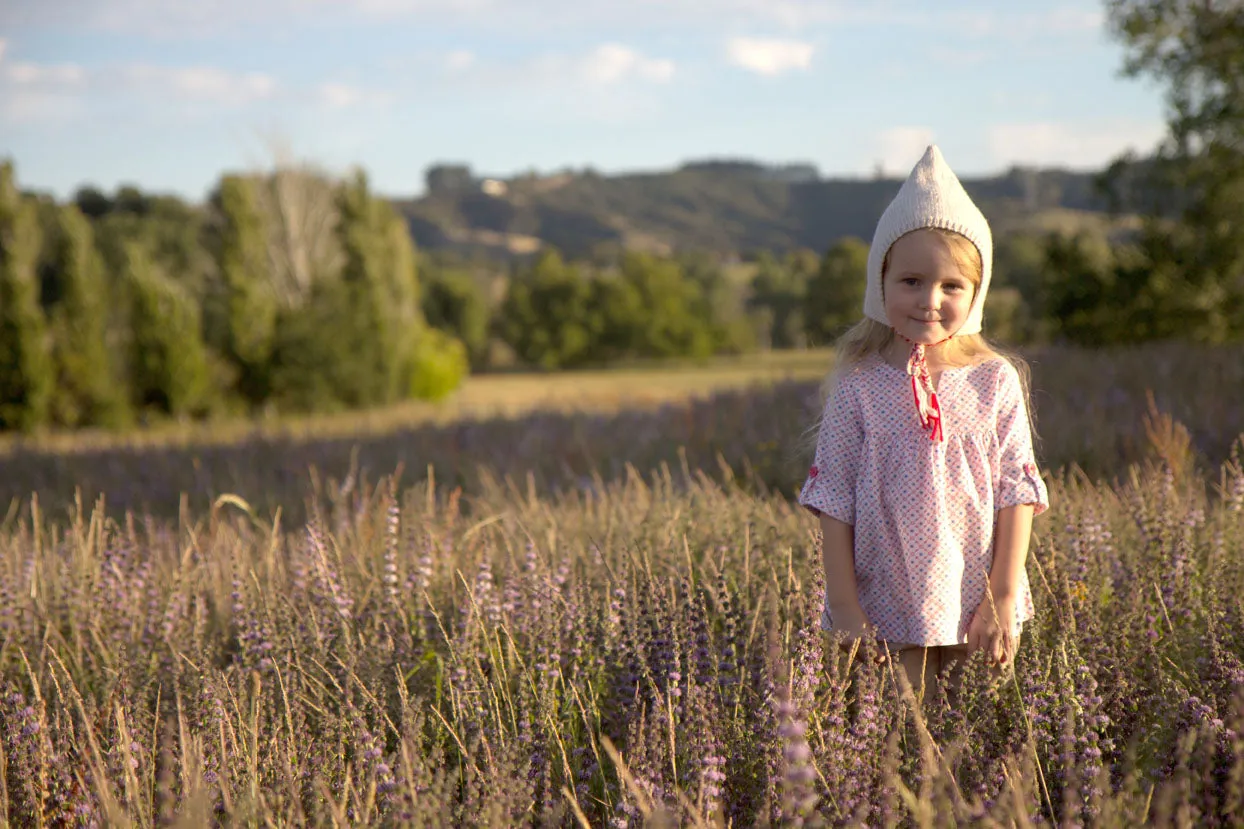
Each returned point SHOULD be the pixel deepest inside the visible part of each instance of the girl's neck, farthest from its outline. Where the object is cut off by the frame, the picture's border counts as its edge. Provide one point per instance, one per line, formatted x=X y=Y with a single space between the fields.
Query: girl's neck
x=898 y=351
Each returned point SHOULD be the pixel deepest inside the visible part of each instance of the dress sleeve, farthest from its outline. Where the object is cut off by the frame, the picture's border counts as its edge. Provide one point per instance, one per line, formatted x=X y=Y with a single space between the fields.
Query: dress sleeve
x=1017 y=480
x=830 y=486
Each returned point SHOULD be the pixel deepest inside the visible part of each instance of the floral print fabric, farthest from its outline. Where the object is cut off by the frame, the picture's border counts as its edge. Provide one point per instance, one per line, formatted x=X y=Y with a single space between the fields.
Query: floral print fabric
x=924 y=511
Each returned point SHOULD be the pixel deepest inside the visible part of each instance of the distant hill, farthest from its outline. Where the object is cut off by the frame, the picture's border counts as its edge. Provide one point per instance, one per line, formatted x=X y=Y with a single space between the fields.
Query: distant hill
x=725 y=207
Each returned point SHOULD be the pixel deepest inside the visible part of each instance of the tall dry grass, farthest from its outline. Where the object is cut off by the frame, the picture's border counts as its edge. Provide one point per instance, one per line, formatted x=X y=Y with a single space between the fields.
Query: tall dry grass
x=613 y=621
x=642 y=653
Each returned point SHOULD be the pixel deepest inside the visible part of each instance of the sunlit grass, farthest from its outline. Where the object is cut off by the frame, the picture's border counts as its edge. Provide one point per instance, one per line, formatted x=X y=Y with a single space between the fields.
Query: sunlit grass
x=643 y=652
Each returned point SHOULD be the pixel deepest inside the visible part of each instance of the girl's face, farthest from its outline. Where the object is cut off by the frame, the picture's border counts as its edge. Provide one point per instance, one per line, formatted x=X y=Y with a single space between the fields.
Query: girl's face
x=927 y=295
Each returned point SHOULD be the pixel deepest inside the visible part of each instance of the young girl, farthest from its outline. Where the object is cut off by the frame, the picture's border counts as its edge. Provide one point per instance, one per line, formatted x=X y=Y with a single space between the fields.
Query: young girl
x=924 y=478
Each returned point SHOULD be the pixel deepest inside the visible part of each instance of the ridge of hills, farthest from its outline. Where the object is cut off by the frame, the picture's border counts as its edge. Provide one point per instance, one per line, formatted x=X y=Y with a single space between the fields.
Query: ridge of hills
x=722 y=207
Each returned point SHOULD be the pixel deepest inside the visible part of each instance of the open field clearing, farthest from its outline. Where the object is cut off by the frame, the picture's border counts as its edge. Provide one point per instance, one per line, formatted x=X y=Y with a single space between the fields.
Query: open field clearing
x=569 y=430
x=481 y=396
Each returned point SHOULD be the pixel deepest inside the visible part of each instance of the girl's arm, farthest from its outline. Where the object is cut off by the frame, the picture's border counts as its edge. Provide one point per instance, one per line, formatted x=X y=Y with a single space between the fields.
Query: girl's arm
x=841 y=593
x=993 y=624
x=1010 y=551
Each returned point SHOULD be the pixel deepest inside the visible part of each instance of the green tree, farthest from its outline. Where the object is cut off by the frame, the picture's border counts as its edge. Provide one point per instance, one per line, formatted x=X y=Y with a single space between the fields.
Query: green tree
x=1005 y=315
x=1017 y=297
x=87 y=390
x=1091 y=294
x=379 y=271
x=802 y=263
x=92 y=202
x=168 y=361
x=359 y=337
x=439 y=363
x=26 y=375
x=454 y=302
x=246 y=299
x=546 y=314
x=170 y=230
x=418 y=352
x=722 y=304
x=364 y=314
x=320 y=351
x=673 y=324
x=1193 y=187
x=835 y=299
x=617 y=317
x=245 y=296
x=779 y=295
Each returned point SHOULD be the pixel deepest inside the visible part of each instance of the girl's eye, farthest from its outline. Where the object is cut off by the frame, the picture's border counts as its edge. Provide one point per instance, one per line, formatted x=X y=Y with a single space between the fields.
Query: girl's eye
x=911 y=280
x=954 y=286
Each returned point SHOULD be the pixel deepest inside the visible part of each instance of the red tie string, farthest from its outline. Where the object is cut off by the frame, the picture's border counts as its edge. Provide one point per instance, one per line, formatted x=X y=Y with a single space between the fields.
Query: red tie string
x=927 y=407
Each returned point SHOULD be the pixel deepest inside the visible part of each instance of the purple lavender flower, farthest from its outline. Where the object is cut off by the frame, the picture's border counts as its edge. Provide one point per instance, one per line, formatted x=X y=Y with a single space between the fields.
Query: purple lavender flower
x=799 y=797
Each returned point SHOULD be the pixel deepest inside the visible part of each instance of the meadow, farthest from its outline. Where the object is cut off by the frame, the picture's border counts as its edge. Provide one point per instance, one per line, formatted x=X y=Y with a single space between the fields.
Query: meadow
x=601 y=610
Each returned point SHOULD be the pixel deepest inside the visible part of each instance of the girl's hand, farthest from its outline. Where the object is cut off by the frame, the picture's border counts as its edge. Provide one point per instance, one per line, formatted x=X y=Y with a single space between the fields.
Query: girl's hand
x=992 y=629
x=854 y=625
x=853 y=622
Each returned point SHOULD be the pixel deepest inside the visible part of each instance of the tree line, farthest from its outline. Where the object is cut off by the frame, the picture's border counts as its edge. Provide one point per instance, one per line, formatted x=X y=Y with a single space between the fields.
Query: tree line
x=292 y=292
x=1088 y=286
x=287 y=291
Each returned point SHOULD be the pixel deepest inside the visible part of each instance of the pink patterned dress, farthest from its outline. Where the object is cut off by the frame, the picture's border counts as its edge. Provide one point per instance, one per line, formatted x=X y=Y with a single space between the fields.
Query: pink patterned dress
x=924 y=511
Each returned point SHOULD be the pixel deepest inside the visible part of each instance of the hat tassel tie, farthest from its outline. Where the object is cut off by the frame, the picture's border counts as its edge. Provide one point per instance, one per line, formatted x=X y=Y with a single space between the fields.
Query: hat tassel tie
x=927 y=407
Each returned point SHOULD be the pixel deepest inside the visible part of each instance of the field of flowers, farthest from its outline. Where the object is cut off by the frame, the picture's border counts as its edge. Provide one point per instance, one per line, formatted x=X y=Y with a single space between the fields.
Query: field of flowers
x=611 y=620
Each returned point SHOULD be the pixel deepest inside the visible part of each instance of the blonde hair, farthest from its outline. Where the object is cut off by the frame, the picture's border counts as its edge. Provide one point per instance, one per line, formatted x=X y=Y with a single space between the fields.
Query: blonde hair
x=868 y=337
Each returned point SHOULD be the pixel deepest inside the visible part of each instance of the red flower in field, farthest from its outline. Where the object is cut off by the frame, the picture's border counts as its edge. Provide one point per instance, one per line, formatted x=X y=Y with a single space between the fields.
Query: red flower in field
x=813 y=472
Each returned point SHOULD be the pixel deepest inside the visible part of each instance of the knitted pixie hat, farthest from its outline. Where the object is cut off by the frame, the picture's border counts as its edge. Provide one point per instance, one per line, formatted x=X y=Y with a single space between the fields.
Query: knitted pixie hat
x=931 y=197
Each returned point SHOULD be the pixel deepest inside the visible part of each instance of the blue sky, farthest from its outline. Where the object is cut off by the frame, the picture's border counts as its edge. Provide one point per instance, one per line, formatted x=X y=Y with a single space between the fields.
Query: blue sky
x=168 y=94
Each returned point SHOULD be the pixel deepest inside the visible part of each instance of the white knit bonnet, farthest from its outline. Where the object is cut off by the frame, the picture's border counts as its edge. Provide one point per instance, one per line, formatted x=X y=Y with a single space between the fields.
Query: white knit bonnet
x=931 y=197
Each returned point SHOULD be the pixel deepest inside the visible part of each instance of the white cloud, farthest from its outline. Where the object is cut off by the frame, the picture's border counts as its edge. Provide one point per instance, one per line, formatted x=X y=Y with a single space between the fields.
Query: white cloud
x=768 y=56
x=39 y=93
x=44 y=75
x=608 y=65
x=611 y=63
x=205 y=83
x=1072 y=145
x=193 y=82
x=460 y=60
x=960 y=58
x=607 y=83
x=977 y=24
x=899 y=148
x=32 y=106
x=43 y=92
x=186 y=85
x=1072 y=20
x=336 y=95
x=340 y=95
